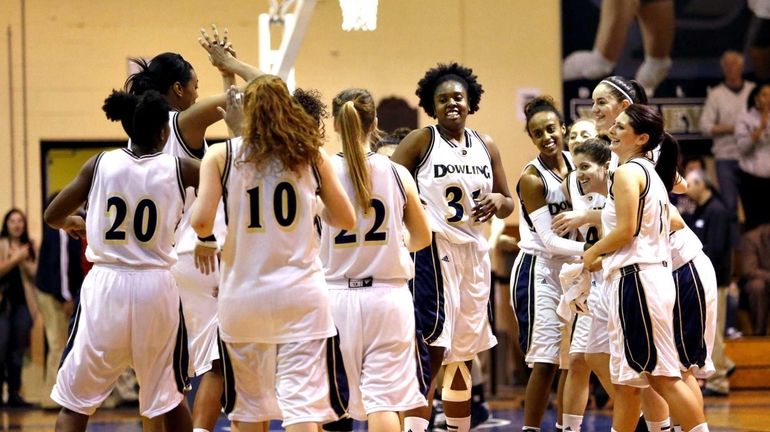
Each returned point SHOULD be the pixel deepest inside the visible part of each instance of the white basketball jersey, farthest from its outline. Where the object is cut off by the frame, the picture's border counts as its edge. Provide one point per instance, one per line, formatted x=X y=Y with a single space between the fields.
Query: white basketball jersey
x=134 y=205
x=449 y=178
x=585 y=201
x=556 y=201
x=376 y=248
x=175 y=146
x=650 y=242
x=685 y=246
x=272 y=288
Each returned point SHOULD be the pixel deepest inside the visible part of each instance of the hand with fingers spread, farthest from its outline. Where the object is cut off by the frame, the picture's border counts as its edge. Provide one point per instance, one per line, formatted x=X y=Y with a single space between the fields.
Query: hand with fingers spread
x=206 y=255
x=221 y=52
x=487 y=206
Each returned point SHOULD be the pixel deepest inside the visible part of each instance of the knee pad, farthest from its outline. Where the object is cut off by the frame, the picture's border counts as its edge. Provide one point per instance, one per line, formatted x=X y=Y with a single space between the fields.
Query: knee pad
x=450 y=370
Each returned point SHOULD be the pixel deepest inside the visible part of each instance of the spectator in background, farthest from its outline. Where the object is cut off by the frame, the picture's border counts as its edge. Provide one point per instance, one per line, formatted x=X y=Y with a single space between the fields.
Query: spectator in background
x=756 y=269
x=724 y=104
x=17 y=270
x=59 y=276
x=708 y=222
x=752 y=135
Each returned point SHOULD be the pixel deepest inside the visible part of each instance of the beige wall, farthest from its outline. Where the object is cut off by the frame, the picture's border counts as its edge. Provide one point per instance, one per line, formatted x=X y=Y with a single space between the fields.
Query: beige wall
x=77 y=50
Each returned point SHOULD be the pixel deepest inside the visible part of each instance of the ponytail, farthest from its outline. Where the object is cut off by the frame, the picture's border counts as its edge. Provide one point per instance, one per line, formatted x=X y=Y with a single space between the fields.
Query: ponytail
x=668 y=160
x=353 y=137
x=354 y=111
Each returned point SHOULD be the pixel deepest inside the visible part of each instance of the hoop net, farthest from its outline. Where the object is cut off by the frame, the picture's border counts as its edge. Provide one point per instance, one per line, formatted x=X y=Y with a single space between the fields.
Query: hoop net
x=359 y=15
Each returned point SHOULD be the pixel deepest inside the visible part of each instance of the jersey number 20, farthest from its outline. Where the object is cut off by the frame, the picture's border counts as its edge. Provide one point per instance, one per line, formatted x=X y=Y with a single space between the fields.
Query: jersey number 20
x=145 y=220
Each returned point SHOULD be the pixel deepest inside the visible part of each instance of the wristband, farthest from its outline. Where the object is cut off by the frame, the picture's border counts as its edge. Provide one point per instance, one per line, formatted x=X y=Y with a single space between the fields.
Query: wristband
x=207 y=242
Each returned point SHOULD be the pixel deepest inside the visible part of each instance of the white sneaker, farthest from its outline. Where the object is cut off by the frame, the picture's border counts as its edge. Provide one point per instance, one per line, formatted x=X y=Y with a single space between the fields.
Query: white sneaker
x=586 y=65
x=652 y=72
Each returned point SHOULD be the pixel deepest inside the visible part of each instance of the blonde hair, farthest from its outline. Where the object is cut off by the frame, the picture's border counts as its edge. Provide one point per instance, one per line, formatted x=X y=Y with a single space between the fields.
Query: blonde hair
x=355 y=113
x=276 y=126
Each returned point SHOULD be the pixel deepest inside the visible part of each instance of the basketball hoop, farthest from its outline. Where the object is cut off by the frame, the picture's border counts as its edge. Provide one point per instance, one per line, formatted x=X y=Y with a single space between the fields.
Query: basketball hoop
x=359 y=15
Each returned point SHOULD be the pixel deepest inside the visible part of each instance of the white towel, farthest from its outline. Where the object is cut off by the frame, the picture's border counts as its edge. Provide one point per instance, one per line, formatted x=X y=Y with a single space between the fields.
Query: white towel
x=576 y=284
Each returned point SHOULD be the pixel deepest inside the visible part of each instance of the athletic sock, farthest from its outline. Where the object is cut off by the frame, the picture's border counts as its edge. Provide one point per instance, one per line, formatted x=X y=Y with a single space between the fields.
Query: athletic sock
x=458 y=424
x=652 y=72
x=558 y=427
x=200 y=430
x=530 y=429
x=415 y=424
x=659 y=426
x=703 y=427
x=676 y=428
x=572 y=422
x=586 y=65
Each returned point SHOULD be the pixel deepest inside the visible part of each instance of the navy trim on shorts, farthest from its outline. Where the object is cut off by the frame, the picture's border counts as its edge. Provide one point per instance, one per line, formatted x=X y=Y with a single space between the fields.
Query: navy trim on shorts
x=229 y=394
x=339 y=393
x=523 y=281
x=422 y=357
x=74 y=324
x=181 y=355
x=428 y=291
x=690 y=317
x=638 y=337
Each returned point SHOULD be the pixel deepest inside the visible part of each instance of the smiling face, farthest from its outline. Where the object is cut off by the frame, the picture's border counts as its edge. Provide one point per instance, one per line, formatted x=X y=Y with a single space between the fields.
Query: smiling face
x=451 y=102
x=624 y=141
x=579 y=132
x=606 y=107
x=547 y=133
x=591 y=175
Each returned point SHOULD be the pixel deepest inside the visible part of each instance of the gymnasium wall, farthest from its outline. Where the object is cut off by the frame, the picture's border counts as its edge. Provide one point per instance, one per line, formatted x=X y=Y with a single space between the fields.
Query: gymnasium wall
x=76 y=52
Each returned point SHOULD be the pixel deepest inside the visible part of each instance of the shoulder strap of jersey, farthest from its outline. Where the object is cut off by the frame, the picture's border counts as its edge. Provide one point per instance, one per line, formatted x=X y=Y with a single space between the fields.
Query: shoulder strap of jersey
x=179 y=181
x=195 y=154
x=426 y=156
x=398 y=181
x=646 y=189
x=483 y=144
x=93 y=178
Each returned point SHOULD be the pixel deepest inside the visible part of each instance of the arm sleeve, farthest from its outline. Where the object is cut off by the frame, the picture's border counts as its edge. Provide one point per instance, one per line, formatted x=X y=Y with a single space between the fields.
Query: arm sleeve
x=541 y=219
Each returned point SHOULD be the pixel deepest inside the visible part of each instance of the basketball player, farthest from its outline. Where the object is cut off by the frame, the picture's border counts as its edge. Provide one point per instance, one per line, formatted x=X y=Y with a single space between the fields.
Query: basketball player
x=535 y=286
x=580 y=131
x=610 y=97
x=176 y=80
x=637 y=265
x=461 y=178
x=275 y=321
x=584 y=187
x=367 y=270
x=129 y=312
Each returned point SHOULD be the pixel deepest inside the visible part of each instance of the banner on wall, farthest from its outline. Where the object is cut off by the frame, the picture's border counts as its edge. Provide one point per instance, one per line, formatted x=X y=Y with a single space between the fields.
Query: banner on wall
x=702 y=31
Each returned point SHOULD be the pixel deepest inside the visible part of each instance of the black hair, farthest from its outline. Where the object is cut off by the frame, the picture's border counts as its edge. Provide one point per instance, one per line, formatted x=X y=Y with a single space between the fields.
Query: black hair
x=159 y=74
x=426 y=87
x=646 y=120
x=631 y=88
x=143 y=117
x=24 y=238
x=541 y=104
x=751 y=103
x=597 y=149
x=311 y=102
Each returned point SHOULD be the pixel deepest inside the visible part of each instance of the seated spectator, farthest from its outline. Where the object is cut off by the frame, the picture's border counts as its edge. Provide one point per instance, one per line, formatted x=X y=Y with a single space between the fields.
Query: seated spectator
x=756 y=269
x=17 y=269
